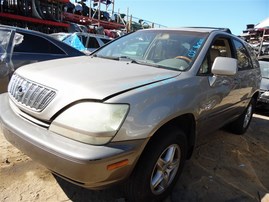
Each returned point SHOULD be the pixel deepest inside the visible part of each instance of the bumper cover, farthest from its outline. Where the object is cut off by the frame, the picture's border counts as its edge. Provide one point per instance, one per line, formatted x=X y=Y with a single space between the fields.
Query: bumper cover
x=264 y=97
x=82 y=164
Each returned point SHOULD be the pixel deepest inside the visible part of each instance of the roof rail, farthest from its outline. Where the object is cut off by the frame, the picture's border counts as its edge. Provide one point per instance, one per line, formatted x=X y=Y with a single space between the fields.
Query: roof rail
x=217 y=28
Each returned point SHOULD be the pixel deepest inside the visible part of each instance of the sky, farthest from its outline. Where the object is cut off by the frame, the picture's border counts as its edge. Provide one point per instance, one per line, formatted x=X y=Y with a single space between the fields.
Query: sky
x=233 y=14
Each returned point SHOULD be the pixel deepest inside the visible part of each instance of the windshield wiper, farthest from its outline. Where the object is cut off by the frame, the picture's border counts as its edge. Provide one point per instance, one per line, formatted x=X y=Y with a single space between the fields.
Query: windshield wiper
x=104 y=57
x=140 y=62
x=128 y=59
x=131 y=60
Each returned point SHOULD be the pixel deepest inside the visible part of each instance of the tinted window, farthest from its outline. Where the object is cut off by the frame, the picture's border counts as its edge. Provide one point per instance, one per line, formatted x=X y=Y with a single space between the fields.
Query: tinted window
x=83 y=39
x=255 y=62
x=35 y=44
x=244 y=61
x=93 y=43
x=105 y=40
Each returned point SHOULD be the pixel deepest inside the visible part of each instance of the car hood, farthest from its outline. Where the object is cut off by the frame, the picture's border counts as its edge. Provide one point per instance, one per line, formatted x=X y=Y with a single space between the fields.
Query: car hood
x=87 y=77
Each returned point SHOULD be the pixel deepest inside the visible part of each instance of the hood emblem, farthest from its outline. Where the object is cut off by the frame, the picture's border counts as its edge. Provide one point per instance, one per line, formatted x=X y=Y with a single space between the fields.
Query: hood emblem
x=20 y=90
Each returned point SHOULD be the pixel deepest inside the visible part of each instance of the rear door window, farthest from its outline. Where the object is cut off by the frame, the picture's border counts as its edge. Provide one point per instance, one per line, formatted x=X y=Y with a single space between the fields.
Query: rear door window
x=35 y=44
x=244 y=61
x=252 y=54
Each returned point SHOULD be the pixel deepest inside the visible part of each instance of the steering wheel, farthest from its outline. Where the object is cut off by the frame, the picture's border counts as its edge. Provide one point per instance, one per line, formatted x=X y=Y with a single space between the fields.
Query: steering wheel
x=184 y=58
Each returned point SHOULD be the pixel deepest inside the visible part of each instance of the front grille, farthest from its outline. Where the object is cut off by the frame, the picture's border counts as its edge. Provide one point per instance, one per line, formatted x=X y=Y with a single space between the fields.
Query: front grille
x=30 y=94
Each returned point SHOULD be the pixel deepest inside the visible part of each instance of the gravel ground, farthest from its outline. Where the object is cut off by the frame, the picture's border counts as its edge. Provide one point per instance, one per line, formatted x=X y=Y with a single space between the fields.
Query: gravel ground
x=224 y=167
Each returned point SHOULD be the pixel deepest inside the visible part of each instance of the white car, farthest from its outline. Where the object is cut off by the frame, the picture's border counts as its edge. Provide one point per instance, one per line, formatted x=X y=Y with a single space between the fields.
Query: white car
x=264 y=88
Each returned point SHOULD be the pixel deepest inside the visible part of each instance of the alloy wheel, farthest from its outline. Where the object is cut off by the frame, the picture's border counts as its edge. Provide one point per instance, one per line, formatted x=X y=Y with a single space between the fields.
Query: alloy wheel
x=248 y=116
x=165 y=169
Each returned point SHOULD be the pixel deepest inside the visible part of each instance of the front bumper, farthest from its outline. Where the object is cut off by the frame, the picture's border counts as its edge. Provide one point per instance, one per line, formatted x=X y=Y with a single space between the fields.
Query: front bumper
x=82 y=164
x=264 y=97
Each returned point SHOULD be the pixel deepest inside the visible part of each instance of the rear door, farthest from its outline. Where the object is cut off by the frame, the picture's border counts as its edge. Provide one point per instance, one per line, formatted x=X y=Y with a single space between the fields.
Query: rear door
x=247 y=71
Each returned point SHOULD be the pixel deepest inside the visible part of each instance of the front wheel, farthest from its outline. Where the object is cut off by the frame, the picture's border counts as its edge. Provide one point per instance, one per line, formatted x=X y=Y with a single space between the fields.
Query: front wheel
x=158 y=168
x=240 y=125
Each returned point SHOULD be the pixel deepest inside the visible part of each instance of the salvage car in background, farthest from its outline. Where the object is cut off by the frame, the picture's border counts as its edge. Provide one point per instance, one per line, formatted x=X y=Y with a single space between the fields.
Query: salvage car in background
x=264 y=88
x=82 y=41
x=32 y=46
x=261 y=49
x=133 y=109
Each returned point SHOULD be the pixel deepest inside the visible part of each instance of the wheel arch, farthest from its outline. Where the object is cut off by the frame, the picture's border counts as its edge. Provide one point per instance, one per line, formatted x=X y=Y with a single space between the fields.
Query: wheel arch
x=255 y=96
x=186 y=123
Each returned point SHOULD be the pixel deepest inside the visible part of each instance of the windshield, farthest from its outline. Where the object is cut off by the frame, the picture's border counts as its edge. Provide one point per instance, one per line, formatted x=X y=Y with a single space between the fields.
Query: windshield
x=264 y=69
x=171 y=49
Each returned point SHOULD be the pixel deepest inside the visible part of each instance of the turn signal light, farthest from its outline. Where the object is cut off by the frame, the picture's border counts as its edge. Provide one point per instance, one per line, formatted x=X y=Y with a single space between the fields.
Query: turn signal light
x=118 y=164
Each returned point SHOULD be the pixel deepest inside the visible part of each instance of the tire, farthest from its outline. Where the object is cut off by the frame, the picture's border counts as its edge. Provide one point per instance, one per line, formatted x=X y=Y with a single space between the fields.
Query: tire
x=240 y=125
x=158 y=168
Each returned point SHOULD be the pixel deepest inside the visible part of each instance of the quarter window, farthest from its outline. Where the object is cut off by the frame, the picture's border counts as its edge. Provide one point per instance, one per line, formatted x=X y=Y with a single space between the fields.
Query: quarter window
x=105 y=40
x=83 y=39
x=93 y=43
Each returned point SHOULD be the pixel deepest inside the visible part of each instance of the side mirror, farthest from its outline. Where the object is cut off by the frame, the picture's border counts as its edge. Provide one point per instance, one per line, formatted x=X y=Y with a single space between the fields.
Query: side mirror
x=224 y=66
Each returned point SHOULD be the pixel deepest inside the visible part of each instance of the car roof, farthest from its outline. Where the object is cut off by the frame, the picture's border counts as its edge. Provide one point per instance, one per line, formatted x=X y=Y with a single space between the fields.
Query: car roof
x=67 y=49
x=27 y=31
x=91 y=34
x=22 y=29
x=80 y=33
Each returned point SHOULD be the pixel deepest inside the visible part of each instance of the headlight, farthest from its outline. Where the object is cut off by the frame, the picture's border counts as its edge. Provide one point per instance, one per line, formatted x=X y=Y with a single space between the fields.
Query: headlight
x=92 y=123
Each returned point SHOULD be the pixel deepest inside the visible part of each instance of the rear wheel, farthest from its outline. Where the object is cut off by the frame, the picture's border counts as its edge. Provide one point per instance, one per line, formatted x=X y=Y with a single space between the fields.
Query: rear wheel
x=158 y=168
x=240 y=125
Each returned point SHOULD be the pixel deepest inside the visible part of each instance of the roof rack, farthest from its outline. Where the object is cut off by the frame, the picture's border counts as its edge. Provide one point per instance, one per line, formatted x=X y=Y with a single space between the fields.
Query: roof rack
x=216 y=28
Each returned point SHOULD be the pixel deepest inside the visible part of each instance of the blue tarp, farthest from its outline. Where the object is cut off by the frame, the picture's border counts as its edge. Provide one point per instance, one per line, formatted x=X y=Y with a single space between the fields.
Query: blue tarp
x=75 y=42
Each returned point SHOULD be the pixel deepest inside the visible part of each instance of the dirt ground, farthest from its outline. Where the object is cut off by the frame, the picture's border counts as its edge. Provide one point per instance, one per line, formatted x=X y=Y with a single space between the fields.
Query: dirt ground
x=224 y=167
x=3 y=84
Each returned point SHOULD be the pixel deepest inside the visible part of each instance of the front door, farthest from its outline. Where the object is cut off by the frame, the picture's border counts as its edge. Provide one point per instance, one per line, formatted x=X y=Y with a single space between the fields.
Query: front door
x=222 y=93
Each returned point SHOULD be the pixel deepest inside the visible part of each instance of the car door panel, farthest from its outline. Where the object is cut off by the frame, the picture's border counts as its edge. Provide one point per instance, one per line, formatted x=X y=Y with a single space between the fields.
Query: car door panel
x=219 y=105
